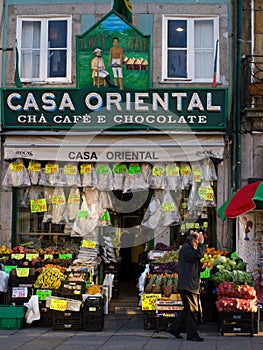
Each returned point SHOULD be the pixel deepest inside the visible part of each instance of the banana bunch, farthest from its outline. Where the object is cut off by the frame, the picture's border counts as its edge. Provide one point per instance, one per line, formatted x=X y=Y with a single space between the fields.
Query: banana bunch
x=50 y=278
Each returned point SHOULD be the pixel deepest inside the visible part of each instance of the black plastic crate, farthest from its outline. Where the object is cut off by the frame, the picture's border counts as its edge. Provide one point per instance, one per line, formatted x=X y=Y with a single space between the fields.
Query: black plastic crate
x=93 y=305
x=72 y=289
x=239 y=322
x=93 y=322
x=16 y=295
x=15 y=281
x=46 y=316
x=69 y=325
x=67 y=315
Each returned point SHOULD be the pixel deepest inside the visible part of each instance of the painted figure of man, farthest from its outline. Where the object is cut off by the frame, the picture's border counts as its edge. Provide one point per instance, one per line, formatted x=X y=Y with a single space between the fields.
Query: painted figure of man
x=116 y=60
x=98 y=67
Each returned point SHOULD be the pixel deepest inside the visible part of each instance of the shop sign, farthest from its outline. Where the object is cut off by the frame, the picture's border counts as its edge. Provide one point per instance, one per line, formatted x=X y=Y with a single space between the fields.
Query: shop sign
x=171 y=109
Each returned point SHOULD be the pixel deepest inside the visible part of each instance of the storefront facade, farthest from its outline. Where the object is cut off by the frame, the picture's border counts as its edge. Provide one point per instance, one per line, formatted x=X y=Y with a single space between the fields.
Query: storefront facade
x=159 y=135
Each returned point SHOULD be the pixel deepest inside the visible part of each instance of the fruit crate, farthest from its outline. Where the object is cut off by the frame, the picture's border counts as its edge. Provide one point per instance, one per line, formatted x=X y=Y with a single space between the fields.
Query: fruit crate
x=93 y=322
x=46 y=316
x=72 y=289
x=19 y=295
x=93 y=305
x=239 y=322
x=12 y=317
x=28 y=277
x=67 y=320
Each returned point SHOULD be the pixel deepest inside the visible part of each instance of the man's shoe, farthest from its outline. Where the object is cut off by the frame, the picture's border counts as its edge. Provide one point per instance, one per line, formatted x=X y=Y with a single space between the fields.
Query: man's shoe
x=195 y=338
x=176 y=335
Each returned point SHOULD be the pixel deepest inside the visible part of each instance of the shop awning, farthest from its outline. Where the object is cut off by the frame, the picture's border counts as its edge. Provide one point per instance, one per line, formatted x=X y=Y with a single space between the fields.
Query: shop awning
x=247 y=198
x=112 y=148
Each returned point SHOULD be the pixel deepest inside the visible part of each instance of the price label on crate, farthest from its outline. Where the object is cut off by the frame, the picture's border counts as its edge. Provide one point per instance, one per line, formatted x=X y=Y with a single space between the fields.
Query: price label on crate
x=149 y=301
x=48 y=257
x=8 y=268
x=58 y=304
x=43 y=293
x=22 y=271
x=17 y=256
x=19 y=292
x=30 y=257
x=65 y=256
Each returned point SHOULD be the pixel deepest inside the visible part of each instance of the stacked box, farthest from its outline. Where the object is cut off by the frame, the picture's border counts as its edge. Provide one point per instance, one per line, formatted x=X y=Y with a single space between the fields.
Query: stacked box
x=46 y=315
x=72 y=289
x=12 y=317
x=67 y=320
x=16 y=281
x=93 y=314
x=239 y=322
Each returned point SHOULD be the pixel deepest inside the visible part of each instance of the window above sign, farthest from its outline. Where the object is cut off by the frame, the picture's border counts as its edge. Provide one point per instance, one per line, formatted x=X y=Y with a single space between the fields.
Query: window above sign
x=188 y=48
x=44 y=46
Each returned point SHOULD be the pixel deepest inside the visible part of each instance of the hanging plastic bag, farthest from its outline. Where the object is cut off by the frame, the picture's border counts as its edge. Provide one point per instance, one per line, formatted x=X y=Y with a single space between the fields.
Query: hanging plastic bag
x=105 y=201
x=119 y=172
x=52 y=175
x=173 y=177
x=72 y=175
x=153 y=213
x=170 y=212
x=73 y=204
x=88 y=175
x=32 y=313
x=197 y=173
x=206 y=195
x=186 y=174
x=58 y=206
x=104 y=177
x=4 y=281
x=157 y=176
x=105 y=219
x=193 y=198
x=208 y=170
x=134 y=180
x=16 y=175
x=34 y=171
x=48 y=194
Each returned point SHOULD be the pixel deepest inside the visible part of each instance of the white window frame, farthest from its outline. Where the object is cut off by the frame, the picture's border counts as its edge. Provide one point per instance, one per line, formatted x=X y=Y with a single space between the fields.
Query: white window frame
x=190 y=48
x=43 y=73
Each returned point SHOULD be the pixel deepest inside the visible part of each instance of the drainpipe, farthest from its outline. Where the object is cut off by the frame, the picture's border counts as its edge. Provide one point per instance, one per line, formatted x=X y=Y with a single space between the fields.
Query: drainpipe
x=238 y=95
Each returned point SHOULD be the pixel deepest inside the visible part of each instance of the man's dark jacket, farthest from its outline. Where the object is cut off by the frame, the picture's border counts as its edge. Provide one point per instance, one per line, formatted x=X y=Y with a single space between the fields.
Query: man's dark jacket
x=189 y=267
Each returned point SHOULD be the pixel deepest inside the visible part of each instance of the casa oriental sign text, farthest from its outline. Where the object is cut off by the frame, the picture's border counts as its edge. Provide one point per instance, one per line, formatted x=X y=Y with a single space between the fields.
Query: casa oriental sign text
x=169 y=109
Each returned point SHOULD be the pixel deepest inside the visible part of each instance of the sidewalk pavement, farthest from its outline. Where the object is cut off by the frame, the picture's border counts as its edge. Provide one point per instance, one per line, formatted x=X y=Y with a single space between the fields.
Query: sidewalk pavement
x=124 y=332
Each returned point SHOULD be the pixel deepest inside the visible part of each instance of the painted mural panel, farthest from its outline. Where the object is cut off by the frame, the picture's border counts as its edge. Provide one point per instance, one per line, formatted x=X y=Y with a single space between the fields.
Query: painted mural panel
x=113 y=54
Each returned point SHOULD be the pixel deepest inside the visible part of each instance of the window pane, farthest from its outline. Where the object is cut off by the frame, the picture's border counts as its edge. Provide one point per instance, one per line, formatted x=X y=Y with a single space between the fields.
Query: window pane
x=177 y=34
x=204 y=49
x=177 y=64
x=204 y=34
x=57 y=34
x=30 y=49
x=57 y=60
x=204 y=64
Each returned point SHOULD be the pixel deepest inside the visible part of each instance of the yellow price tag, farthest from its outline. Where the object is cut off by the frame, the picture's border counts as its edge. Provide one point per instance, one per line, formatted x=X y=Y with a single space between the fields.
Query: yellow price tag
x=59 y=200
x=34 y=166
x=85 y=168
x=185 y=171
x=16 y=167
x=168 y=206
x=158 y=171
x=58 y=304
x=88 y=244
x=48 y=256
x=17 y=256
x=206 y=193
x=52 y=168
x=74 y=199
x=31 y=256
x=70 y=170
x=172 y=171
x=22 y=271
x=38 y=205
x=197 y=175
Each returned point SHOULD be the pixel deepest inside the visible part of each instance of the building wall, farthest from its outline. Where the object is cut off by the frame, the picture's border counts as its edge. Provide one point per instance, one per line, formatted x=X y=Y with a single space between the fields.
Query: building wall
x=85 y=13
